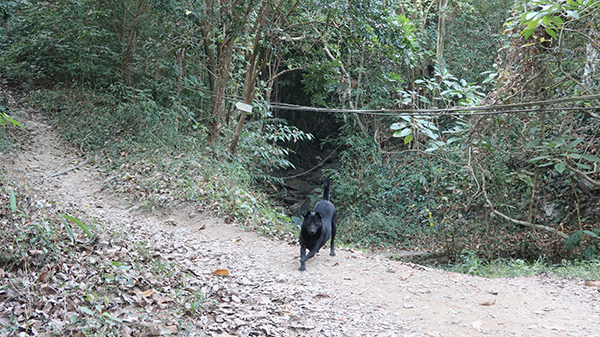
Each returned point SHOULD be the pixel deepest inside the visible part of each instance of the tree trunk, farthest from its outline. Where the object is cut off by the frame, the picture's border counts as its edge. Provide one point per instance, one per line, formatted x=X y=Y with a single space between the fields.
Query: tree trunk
x=223 y=67
x=441 y=30
x=250 y=80
x=592 y=58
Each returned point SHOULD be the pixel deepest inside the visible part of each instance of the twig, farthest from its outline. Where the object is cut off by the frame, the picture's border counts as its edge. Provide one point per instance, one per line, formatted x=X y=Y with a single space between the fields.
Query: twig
x=69 y=169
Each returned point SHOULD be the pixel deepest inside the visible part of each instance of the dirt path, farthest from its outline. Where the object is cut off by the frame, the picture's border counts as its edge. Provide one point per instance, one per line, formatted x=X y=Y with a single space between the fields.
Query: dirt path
x=351 y=294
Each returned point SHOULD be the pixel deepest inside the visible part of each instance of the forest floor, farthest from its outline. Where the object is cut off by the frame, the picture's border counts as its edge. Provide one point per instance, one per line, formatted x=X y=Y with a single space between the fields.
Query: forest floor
x=351 y=294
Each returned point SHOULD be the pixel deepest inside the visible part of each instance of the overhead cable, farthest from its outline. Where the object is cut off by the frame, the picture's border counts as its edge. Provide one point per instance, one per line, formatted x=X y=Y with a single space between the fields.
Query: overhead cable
x=453 y=111
x=494 y=109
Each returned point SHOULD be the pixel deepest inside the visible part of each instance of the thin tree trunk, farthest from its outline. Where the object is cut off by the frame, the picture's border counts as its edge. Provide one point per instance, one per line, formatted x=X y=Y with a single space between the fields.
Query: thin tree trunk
x=592 y=59
x=249 y=81
x=224 y=65
x=441 y=31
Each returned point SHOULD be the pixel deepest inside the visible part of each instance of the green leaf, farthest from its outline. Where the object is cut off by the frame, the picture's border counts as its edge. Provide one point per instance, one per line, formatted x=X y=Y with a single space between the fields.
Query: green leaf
x=69 y=230
x=592 y=234
x=408 y=139
x=398 y=126
x=547 y=20
x=403 y=133
x=430 y=134
x=8 y=118
x=452 y=140
x=81 y=225
x=557 y=20
x=13 y=201
x=576 y=142
x=551 y=32
x=107 y=315
x=87 y=310
x=573 y=14
x=533 y=160
x=546 y=164
x=590 y=157
x=528 y=16
x=560 y=167
x=583 y=166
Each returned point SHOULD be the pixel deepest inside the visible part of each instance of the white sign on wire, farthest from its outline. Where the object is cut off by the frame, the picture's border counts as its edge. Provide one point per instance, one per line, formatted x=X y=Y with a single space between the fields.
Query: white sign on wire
x=244 y=107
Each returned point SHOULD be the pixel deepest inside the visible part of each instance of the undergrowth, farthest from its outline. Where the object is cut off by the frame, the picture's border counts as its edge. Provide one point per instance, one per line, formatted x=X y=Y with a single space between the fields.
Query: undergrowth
x=470 y=263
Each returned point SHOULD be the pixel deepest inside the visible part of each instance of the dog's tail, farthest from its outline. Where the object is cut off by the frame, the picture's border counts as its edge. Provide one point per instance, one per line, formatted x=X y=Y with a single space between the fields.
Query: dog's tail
x=326 y=184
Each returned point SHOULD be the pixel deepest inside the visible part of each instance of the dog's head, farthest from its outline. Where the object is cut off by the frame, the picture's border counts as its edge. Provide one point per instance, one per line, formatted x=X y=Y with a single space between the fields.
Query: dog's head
x=313 y=221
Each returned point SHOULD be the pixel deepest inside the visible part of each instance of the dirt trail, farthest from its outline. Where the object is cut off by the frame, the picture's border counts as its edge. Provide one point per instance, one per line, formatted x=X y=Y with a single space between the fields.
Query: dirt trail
x=351 y=294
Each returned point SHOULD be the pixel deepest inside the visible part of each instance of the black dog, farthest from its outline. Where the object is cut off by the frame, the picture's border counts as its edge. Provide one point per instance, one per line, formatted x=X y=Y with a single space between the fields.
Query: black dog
x=317 y=227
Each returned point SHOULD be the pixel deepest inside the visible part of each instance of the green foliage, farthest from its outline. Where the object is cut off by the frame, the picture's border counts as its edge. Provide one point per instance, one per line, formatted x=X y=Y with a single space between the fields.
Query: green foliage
x=474 y=36
x=6 y=141
x=443 y=91
x=370 y=40
x=80 y=224
x=4 y=117
x=550 y=15
x=263 y=149
x=561 y=152
x=406 y=200
x=62 y=41
x=469 y=262
x=29 y=238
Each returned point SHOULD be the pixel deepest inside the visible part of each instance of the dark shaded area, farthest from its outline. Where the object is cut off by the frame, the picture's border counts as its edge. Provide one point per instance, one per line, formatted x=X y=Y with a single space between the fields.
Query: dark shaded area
x=308 y=157
x=323 y=126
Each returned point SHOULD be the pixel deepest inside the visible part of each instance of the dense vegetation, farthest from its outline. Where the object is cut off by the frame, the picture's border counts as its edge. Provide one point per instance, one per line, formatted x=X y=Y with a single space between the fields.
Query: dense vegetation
x=150 y=87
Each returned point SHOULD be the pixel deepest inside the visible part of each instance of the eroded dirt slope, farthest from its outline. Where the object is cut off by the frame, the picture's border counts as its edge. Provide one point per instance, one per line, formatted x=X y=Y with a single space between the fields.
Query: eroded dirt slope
x=351 y=294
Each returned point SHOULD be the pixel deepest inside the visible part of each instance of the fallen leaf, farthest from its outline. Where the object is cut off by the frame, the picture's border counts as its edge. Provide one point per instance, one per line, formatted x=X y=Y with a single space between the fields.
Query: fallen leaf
x=592 y=284
x=163 y=300
x=220 y=272
x=146 y=293
x=43 y=276
x=171 y=222
x=202 y=228
x=48 y=291
x=487 y=304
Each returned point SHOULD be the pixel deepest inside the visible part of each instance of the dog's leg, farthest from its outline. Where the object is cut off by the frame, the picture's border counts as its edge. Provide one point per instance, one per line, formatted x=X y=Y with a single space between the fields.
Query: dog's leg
x=302 y=259
x=333 y=230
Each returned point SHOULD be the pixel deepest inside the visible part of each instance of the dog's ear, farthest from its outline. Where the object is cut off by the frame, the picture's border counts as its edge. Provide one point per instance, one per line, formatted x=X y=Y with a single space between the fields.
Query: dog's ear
x=304 y=214
x=320 y=215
